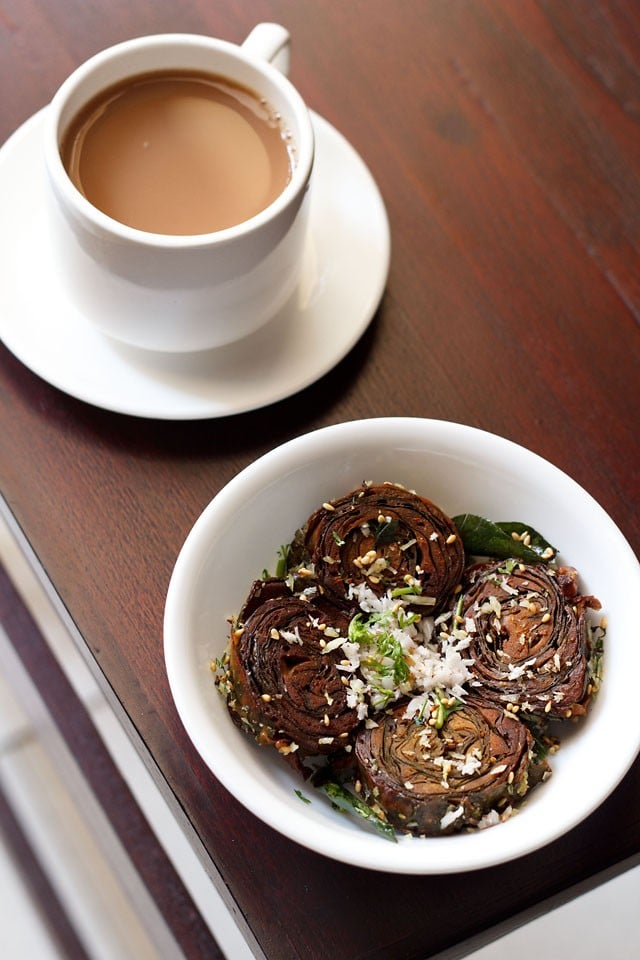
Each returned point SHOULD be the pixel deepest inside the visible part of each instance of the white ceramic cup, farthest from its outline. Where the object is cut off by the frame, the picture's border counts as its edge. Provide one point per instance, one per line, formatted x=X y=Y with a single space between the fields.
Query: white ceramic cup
x=181 y=293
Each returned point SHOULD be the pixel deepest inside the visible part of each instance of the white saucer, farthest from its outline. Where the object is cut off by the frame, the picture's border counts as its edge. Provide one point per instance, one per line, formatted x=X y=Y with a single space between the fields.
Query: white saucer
x=346 y=267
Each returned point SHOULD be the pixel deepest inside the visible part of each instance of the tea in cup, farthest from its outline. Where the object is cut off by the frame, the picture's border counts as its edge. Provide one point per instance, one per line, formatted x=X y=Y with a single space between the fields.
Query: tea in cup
x=180 y=169
x=178 y=152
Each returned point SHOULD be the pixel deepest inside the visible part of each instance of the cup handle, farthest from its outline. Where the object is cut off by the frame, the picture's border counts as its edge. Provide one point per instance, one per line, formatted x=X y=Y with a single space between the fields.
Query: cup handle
x=270 y=41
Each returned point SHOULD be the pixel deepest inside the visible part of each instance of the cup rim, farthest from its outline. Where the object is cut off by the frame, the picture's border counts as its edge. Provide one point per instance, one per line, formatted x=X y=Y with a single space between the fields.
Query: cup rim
x=101 y=221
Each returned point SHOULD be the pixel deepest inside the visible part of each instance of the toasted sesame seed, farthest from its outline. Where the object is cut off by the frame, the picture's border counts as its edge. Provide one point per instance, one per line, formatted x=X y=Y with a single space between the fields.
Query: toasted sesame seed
x=326 y=720
x=546 y=617
x=266 y=697
x=368 y=558
x=547 y=708
x=451 y=538
x=328 y=506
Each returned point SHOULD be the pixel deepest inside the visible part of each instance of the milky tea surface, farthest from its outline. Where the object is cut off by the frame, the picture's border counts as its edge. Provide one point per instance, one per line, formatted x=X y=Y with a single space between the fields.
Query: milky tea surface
x=178 y=153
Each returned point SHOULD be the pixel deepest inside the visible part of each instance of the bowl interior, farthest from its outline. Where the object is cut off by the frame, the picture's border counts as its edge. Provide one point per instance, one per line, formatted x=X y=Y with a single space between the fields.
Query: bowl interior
x=461 y=469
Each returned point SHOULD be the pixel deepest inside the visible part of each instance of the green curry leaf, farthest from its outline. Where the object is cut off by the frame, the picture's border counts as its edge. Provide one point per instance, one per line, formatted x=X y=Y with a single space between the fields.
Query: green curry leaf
x=506 y=539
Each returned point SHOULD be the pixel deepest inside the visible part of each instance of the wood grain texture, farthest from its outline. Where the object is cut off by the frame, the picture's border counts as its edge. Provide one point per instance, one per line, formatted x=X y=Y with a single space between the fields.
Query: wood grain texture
x=505 y=140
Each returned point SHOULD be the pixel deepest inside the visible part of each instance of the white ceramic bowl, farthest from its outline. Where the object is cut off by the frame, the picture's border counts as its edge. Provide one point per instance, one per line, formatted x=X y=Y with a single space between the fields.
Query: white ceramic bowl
x=461 y=469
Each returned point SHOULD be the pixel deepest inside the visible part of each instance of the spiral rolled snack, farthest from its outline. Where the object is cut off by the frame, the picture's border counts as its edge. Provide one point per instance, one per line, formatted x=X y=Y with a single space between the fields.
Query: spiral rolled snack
x=282 y=681
x=530 y=639
x=387 y=538
x=413 y=690
x=431 y=781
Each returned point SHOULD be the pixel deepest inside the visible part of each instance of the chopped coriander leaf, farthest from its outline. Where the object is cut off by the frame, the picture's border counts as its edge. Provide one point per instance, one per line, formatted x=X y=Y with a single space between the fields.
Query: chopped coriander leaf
x=346 y=801
x=301 y=796
x=445 y=709
x=542 y=743
x=415 y=590
x=390 y=646
x=283 y=555
x=598 y=634
x=386 y=532
x=384 y=655
x=407 y=619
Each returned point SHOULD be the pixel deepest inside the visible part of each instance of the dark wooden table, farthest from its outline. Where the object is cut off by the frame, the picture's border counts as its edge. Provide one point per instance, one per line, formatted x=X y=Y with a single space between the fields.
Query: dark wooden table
x=505 y=138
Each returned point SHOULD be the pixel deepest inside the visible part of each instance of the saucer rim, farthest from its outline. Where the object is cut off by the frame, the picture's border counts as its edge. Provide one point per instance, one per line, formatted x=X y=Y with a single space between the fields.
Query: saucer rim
x=191 y=403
